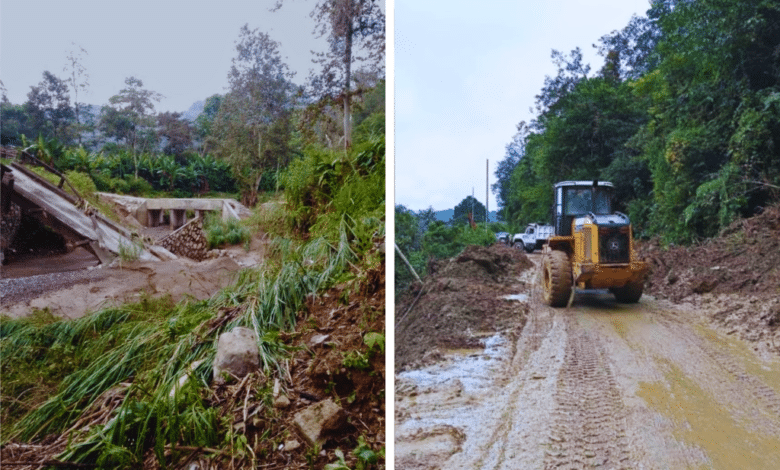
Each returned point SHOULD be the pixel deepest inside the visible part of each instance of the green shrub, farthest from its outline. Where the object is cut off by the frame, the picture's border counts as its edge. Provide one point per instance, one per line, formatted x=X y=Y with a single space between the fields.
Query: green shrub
x=138 y=186
x=108 y=184
x=326 y=188
x=82 y=183
x=220 y=233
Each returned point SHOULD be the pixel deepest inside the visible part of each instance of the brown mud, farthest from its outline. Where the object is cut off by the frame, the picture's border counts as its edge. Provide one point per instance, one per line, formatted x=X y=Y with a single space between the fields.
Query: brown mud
x=734 y=277
x=687 y=378
x=461 y=302
x=68 y=289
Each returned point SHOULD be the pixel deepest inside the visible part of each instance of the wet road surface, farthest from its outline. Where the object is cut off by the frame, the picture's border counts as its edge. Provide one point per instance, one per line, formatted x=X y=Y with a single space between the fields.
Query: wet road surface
x=598 y=385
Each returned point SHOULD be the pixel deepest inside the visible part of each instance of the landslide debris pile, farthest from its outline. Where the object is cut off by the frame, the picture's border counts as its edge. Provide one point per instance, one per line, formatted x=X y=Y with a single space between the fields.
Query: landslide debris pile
x=745 y=258
x=460 y=297
x=740 y=269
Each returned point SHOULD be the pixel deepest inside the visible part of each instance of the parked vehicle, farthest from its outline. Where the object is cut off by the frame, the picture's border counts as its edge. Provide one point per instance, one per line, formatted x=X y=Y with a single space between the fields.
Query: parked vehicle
x=534 y=237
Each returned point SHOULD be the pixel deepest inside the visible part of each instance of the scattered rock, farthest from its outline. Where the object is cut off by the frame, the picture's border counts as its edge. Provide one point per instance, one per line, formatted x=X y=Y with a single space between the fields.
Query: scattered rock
x=705 y=285
x=316 y=340
x=237 y=353
x=291 y=445
x=281 y=402
x=316 y=420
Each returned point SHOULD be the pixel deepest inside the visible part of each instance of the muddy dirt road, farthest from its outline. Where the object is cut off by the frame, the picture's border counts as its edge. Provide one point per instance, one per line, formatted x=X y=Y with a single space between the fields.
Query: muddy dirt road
x=600 y=384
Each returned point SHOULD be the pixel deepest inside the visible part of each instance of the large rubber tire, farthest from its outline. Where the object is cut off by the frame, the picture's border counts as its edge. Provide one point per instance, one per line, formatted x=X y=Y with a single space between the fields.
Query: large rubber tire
x=556 y=278
x=519 y=245
x=529 y=249
x=630 y=293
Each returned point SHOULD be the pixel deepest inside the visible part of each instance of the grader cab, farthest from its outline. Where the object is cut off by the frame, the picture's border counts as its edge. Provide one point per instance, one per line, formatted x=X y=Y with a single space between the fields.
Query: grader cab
x=592 y=247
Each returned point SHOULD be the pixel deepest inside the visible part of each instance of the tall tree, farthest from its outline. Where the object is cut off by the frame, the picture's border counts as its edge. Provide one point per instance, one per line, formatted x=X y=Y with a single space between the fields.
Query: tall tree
x=514 y=152
x=176 y=132
x=355 y=30
x=253 y=126
x=78 y=80
x=48 y=106
x=633 y=47
x=129 y=116
x=204 y=123
x=469 y=204
x=13 y=120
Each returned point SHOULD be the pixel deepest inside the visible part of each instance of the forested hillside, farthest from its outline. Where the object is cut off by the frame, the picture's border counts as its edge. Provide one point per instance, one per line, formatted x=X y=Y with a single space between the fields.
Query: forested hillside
x=683 y=117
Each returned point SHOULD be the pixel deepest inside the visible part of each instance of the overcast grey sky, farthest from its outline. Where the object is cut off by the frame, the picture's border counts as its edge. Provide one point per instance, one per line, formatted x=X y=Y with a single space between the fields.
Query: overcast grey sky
x=179 y=48
x=467 y=72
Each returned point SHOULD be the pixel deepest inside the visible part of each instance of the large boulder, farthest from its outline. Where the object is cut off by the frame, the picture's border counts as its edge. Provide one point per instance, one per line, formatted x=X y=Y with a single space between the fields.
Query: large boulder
x=237 y=353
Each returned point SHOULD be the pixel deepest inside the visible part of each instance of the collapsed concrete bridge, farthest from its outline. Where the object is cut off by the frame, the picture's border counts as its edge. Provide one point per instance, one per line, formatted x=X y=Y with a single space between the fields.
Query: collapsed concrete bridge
x=152 y=212
x=80 y=225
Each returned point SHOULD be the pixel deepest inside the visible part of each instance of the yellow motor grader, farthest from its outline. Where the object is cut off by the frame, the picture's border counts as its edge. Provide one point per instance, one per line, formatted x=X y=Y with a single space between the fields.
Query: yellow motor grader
x=592 y=246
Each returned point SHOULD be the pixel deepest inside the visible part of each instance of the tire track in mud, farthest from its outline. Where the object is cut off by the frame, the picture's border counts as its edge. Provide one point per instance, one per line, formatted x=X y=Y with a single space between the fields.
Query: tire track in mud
x=512 y=439
x=589 y=427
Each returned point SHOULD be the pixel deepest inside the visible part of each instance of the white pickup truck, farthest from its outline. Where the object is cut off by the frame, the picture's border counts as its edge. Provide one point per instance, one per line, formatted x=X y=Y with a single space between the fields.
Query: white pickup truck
x=534 y=237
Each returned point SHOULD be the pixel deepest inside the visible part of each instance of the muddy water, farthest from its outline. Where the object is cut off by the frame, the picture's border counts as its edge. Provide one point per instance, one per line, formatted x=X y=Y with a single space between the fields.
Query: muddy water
x=598 y=385
x=35 y=265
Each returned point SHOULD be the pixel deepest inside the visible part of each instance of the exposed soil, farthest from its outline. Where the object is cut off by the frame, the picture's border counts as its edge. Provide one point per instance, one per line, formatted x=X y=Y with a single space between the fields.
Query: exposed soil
x=460 y=303
x=601 y=384
x=735 y=277
x=72 y=285
x=331 y=329
x=687 y=378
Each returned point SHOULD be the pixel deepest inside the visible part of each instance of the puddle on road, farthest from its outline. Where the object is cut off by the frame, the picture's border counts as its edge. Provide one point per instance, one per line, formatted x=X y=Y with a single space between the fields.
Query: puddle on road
x=45 y=264
x=766 y=369
x=474 y=368
x=520 y=297
x=698 y=420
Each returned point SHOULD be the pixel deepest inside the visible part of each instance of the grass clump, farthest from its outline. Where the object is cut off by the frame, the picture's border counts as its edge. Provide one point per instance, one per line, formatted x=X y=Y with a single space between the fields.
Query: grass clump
x=225 y=232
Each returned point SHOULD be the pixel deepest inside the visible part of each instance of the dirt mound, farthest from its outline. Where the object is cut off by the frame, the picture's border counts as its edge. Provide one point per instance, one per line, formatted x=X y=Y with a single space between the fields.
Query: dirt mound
x=745 y=258
x=461 y=298
x=736 y=276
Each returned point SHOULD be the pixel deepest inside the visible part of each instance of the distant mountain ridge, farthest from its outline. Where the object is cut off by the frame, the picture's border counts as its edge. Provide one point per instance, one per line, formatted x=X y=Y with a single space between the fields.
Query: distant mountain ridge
x=190 y=114
x=446 y=215
x=194 y=111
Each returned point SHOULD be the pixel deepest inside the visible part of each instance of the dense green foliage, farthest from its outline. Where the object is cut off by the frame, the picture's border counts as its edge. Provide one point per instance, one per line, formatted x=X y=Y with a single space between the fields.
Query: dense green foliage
x=684 y=118
x=225 y=232
x=322 y=187
x=116 y=171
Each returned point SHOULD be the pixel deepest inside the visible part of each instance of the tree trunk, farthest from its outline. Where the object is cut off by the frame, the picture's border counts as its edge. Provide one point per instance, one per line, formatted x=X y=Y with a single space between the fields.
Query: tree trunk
x=348 y=77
